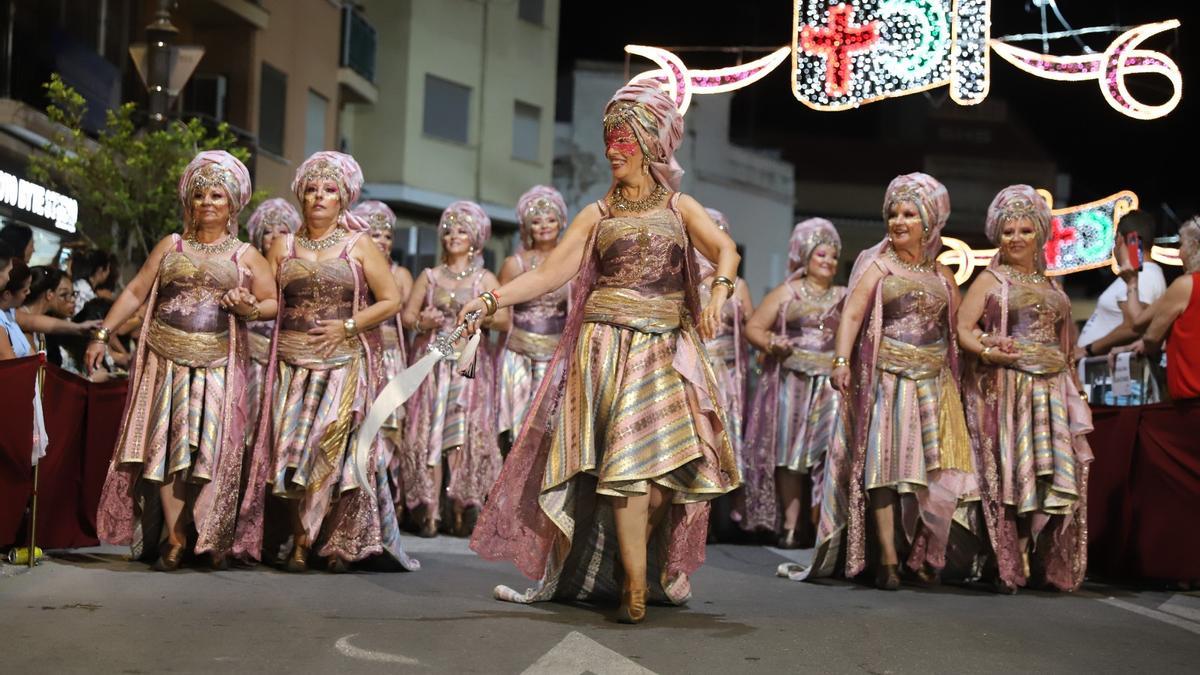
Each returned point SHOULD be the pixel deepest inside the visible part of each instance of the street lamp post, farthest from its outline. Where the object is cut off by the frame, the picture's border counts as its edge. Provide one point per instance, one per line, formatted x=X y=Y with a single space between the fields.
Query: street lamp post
x=160 y=38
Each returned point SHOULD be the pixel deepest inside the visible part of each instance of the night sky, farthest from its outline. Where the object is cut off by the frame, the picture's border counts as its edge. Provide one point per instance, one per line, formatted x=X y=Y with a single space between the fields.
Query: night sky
x=1103 y=150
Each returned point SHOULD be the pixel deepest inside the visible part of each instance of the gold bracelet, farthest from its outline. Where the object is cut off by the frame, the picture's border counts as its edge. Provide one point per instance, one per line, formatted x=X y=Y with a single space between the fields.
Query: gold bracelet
x=350 y=327
x=101 y=335
x=983 y=355
x=489 y=301
x=723 y=281
x=253 y=315
x=839 y=361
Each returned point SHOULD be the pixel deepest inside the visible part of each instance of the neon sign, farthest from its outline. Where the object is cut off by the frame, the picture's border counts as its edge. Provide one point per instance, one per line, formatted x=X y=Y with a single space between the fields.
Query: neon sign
x=845 y=54
x=39 y=201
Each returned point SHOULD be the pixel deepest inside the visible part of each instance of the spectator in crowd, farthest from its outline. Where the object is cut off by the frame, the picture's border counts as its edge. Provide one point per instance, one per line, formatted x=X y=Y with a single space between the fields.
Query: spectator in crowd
x=1111 y=323
x=13 y=344
x=19 y=238
x=6 y=256
x=107 y=289
x=116 y=363
x=89 y=268
x=47 y=309
x=1176 y=315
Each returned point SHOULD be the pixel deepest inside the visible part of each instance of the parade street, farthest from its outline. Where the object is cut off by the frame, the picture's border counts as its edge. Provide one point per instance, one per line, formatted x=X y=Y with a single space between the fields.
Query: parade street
x=92 y=611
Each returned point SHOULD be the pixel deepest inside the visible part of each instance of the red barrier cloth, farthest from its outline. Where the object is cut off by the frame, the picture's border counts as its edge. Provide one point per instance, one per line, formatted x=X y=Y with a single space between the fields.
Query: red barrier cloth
x=106 y=410
x=61 y=523
x=1144 y=497
x=17 y=378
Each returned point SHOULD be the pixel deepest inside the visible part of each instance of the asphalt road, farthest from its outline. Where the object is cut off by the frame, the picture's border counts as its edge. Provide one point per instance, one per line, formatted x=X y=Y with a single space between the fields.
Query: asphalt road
x=92 y=611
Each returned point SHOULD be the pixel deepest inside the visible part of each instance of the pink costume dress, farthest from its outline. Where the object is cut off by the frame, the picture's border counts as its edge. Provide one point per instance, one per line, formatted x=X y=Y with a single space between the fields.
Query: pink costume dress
x=186 y=411
x=395 y=359
x=728 y=354
x=259 y=339
x=537 y=326
x=1029 y=426
x=450 y=415
x=628 y=399
x=306 y=440
x=904 y=420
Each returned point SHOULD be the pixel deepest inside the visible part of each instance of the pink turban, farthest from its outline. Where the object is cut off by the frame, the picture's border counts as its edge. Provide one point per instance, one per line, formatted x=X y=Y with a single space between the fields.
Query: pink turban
x=270 y=214
x=343 y=170
x=379 y=216
x=933 y=203
x=704 y=266
x=538 y=200
x=806 y=237
x=1013 y=203
x=216 y=167
x=657 y=124
x=474 y=218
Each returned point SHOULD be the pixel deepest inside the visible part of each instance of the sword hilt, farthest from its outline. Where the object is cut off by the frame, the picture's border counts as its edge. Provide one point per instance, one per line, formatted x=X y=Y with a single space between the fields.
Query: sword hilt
x=445 y=344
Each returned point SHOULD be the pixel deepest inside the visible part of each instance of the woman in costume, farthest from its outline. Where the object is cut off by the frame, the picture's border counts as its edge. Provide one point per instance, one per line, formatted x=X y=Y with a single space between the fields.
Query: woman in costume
x=182 y=442
x=273 y=219
x=326 y=367
x=796 y=410
x=1027 y=419
x=381 y=223
x=625 y=442
x=452 y=417
x=729 y=357
x=537 y=324
x=896 y=366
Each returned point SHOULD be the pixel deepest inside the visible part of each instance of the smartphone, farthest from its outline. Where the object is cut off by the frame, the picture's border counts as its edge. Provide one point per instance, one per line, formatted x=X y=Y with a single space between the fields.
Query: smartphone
x=1133 y=248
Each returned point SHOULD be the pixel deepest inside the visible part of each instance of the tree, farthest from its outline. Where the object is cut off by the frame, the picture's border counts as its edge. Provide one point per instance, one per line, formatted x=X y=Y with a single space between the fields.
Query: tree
x=126 y=178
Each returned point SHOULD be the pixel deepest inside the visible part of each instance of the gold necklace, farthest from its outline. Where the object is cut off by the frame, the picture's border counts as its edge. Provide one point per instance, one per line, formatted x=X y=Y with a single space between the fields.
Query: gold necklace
x=322 y=243
x=804 y=288
x=1033 y=278
x=459 y=276
x=923 y=267
x=223 y=246
x=618 y=202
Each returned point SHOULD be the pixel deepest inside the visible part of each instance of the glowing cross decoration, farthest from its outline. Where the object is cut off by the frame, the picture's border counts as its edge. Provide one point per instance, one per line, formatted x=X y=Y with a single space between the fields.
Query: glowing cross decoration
x=836 y=44
x=848 y=53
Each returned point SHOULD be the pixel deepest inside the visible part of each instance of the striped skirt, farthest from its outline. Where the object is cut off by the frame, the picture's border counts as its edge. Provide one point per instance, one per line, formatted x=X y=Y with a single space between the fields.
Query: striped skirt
x=1036 y=452
x=903 y=439
x=627 y=419
x=520 y=377
x=185 y=421
x=808 y=415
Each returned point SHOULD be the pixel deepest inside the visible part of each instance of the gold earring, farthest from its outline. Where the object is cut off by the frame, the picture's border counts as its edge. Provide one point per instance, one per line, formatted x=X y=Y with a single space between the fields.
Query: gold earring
x=645 y=169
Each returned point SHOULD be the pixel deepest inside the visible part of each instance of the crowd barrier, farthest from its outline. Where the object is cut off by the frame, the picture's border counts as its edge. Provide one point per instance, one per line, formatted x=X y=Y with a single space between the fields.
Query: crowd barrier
x=82 y=420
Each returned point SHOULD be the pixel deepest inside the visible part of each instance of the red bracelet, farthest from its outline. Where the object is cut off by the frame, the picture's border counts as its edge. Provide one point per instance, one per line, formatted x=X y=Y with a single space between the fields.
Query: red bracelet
x=495 y=294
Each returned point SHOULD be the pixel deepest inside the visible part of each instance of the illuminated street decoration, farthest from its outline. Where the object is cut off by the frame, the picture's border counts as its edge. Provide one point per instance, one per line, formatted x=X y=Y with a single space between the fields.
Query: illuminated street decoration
x=1081 y=238
x=848 y=53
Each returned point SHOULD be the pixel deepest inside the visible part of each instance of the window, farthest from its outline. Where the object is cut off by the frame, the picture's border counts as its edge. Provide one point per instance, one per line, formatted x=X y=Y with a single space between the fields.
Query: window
x=447 y=109
x=314 y=123
x=532 y=11
x=272 y=104
x=527 y=123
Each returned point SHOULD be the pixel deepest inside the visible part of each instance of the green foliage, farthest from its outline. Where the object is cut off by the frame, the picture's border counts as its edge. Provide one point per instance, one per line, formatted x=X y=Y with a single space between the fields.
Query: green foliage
x=126 y=178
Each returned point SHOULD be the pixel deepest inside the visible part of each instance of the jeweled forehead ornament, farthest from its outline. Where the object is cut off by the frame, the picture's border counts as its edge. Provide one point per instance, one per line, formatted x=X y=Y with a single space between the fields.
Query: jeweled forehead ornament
x=1017 y=209
x=913 y=195
x=379 y=221
x=323 y=170
x=213 y=175
x=453 y=218
x=542 y=207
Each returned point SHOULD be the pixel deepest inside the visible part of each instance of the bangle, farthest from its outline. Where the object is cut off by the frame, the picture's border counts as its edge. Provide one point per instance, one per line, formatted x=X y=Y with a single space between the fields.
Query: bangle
x=253 y=315
x=495 y=294
x=489 y=302
x=350 y=327
x=839 y=361
x=983 y=336
x=983 y=355
x=101 y=334
x=722 y=281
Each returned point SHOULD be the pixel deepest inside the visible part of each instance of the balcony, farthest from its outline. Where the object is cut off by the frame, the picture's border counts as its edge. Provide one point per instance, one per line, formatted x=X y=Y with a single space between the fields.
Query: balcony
x=356 y=64
x=226 y=12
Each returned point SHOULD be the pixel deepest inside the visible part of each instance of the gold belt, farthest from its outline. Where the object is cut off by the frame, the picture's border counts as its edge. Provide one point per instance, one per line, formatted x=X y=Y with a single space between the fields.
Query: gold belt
x=193 y=349
x=628 y=308
x=260 y=347
x=915 y=363
x=534 y=345
x=809 y=362
x=296 y=348
x=1040 y=359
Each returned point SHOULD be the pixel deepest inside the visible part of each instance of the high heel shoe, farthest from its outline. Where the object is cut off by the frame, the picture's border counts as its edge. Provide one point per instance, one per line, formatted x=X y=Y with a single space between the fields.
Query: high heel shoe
x=633 y=606
x=887 y=577
x=787 y=540
x=1025 y=569
x=429 y=530
x=337 y=566
x=298 y=560
x=219 y=562
x=170 y=561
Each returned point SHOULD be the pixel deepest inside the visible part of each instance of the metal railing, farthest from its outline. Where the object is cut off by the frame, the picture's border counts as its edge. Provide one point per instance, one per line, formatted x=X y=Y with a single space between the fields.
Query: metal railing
x=1098 y=381
x=358 y=43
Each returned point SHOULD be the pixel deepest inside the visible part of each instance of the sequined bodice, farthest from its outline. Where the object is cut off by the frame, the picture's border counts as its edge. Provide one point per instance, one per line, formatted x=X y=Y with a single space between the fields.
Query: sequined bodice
x=641 y=253
x=914 y=308
x=316 y=291
x=811 y=322
x=545 y=315
x=449 y=300
x=190 y=290
x=1035 y=313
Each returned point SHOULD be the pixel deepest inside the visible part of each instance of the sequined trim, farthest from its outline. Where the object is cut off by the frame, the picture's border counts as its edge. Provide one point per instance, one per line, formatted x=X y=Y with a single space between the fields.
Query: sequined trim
x=295 y=348
x=533 y=345
x=195 y=349
x=628 y=308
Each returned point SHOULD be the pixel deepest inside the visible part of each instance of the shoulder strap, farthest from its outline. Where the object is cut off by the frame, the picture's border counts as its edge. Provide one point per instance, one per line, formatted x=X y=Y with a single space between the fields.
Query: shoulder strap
x=178 y=243
x=291 y=245
x=349 y=245
x=239 y=252
x=603 y=206
x=673 y=203
x=521 y=262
